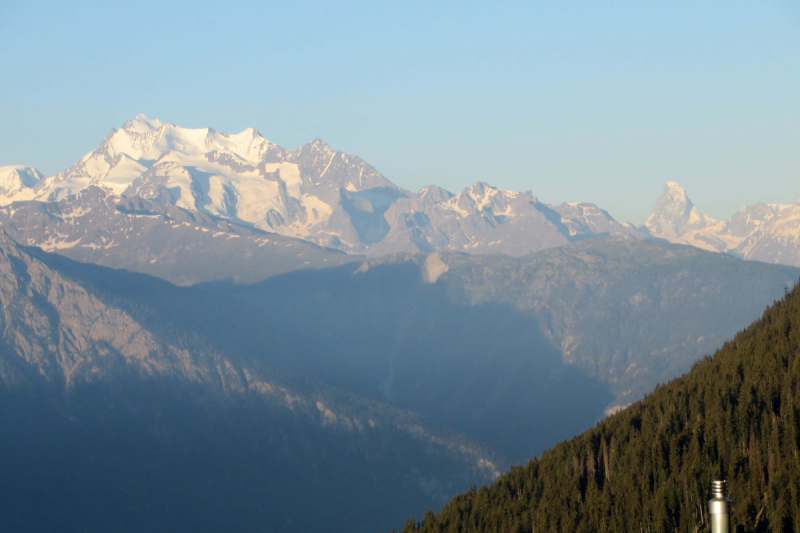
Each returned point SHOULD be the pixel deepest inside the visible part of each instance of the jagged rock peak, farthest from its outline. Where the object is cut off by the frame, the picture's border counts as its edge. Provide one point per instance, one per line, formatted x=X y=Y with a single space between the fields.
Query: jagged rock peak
x=319 y=144
x=674 y=197
x=434 y=194
x=482 y=194
x=480 y=189
x=314 y=149
x=675 y=214
x=675 y=192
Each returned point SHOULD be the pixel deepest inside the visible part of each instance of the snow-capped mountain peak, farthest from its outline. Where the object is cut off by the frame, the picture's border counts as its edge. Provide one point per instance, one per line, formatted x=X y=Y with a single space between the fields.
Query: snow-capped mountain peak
x=141 y=124
x=315 y=193
x=150 y=139
x=675 y=192
x=482 y=195
x=18 y=181
x=675 y=213
x=241 y=176
x=764 y=232
x=335 y=199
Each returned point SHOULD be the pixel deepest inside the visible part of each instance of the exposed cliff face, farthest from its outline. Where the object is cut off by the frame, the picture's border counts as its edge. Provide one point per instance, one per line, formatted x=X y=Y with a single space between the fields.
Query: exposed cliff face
x=63 y=333
x=56 y=329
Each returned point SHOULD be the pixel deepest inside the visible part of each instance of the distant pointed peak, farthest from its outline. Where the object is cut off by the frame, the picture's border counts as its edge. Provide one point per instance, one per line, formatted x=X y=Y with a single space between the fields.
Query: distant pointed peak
x=19 y=176
x=675 y=192
x=480 y=189
x=315 y=147
x=142 y=124
x=675 y=214
x=481 y=185
x=434 y=193
x=320 y=145
x=254 y=133
x=433 y=188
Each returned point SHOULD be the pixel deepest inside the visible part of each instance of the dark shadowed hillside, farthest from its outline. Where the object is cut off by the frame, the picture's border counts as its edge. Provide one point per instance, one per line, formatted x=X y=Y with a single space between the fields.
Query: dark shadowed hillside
x=111 y=425
x=519 y=352
x=735 y=415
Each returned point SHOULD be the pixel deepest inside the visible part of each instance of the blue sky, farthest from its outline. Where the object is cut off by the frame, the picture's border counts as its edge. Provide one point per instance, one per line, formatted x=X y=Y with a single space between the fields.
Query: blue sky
x=576 y=101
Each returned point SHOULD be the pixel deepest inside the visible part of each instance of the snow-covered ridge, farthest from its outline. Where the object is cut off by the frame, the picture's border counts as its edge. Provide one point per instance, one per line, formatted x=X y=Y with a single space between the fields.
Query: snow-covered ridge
x=314 y=193
x=487 y=219
x=335 y=199
x=242 y=177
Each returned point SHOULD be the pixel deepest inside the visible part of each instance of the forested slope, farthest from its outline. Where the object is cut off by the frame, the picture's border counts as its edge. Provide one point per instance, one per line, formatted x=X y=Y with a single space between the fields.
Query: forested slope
x=735 y=415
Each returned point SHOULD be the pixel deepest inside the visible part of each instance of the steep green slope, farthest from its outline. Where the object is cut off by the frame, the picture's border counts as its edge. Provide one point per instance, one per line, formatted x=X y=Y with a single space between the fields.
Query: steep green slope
x=735 y=415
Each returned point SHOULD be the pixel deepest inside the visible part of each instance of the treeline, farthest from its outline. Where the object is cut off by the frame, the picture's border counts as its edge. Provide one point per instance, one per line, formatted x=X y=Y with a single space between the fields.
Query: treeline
x=649 y=468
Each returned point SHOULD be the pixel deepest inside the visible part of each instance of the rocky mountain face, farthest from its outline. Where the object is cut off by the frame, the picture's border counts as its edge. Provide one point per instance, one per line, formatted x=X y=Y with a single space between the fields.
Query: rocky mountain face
x=759 y=232
x=113 y=420
x=314 y=194
x=484 y=219
x=518 y=352
x=180 y=245
x=675 y=214
x=631 y=313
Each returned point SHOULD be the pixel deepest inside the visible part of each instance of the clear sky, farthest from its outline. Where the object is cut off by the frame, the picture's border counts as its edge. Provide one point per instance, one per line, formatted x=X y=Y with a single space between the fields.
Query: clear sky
x=577 y=101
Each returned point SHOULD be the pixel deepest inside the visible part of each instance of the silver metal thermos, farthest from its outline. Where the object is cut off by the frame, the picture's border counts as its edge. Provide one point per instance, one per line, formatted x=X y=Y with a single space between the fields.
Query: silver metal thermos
x=719 y=508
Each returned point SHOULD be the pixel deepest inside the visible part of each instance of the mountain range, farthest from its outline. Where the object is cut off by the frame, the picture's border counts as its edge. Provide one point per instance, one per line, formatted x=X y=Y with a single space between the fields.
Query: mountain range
x=329 y=329
x=336 y=201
